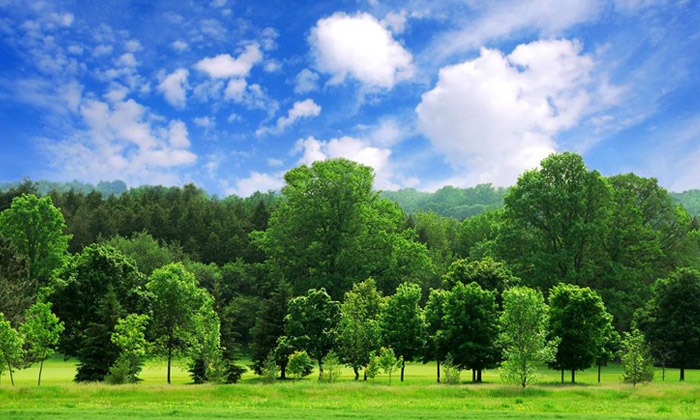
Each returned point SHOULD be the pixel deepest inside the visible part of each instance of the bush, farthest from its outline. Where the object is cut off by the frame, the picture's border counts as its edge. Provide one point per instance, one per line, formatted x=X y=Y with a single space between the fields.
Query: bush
x=269 y=369
x=299 y=364
x=451 y=371
x=120 y=372
x=331 y=368
x=372 y=368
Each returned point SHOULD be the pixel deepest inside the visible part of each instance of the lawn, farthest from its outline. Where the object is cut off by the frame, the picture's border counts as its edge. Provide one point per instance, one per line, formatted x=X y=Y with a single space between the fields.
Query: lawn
x=418 y=397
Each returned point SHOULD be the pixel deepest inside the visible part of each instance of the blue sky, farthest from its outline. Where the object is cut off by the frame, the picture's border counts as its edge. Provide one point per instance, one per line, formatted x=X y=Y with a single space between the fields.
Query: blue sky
x=231 y=94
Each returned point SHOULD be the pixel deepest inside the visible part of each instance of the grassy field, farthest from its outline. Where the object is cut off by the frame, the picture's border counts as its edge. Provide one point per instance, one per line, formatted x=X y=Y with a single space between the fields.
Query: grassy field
x=417 y=398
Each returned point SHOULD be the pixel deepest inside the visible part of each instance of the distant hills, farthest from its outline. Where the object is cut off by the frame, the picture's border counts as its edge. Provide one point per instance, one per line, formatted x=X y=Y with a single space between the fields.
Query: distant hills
x=448 y=201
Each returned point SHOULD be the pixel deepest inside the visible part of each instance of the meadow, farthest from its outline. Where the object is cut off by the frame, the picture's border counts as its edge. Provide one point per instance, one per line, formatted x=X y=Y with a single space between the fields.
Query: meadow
x=418 y=397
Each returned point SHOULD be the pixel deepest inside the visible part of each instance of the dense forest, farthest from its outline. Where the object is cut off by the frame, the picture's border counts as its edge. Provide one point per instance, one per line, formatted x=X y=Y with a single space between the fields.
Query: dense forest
x=332 y=271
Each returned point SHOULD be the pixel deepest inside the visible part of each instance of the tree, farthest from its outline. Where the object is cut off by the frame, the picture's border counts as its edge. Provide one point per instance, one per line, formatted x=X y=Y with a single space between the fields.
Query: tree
x=578 y=317
x=470 y=327
x=311 y=324
x=10 y=347
x=146 y=251
x=17 y=289
x=403 y=325
x=608 y=349
x=269 y=325
x=97 y=288
x=41 y=330
x=555 y=221
x=434 y=314
x=524 y=326
x=672 y=318
x=388 y=361
x=129 y=336
x=299 y=364
x=331 y=230
x=487 y=273
x=36 y=229
x=177 y=301
x=359 y=333
x=636 y=358
x=332 y=368
x=205 y=353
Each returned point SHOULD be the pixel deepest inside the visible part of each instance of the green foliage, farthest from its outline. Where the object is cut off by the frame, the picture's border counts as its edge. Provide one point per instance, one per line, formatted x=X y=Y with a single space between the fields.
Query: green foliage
x=388 y=362
x=331 y=368
x=11 y=352
x=671 y=319
x=439 y=234
x=129 y=337
x=121 y=372
x=41 y=330
x=487 y=273
x=402 y=323
x=434 y=313
x=35 y=227
x=311 y=324
x=452 y=371
x=145 y=251
x=206 y=363
x=299 y=364
x=457 y=203
x=578 y=318
x=17 y=289
x=477 y=235
x=269 y=369
x=372 y=369
x=177 y=310
x=359 y=333
x=269 y=325
x=524 y=326
x=470 y=327
x=636 y=358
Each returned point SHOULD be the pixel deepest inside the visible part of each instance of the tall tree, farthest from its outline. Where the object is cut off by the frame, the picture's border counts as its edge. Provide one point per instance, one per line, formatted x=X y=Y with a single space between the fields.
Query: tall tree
x=312 y=324
x=579 y=319
x=269 y=325
x=10 y=347
x=177 y=301
x=130 y=337
x=359 y=333
x=470 y=327
x=524 y=327
x=672 y=317
x=17 y=289
x=35 y=227
x=434 y=313
x=487 y=273
x=41 y=330
x=403 y=324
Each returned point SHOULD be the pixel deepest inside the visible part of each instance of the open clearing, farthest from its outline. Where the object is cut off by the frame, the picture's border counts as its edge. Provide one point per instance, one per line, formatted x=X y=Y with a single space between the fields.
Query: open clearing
x=418 y=397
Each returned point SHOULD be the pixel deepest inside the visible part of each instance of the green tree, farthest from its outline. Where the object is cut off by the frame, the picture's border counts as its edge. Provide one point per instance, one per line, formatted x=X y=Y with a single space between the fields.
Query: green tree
x=98 y=287
x=145 y=251
x=205 y=352
x=434 y=314
x=41 y=330
x=487 y=273
x=269 y=325
x=359 y=333
x=17 y=289
x=610 y=346
x=388 y=361
x=11 y=353
x=470 y=327
x=672 y=318
x=177 y=301
x=129 y=336
x=578 y=317
x=36 y=229
x=636 y=358
x=332 y=368
x=403 y=324
x=311 y=324
x=524 y=327
x=299 y=364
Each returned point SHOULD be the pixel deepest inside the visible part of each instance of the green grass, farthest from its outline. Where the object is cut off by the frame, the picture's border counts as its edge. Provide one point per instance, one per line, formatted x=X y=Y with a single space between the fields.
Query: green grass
x=418 y=397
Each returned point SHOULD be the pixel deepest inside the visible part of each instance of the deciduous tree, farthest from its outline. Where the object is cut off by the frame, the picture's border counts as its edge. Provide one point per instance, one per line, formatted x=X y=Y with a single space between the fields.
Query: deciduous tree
x=41 y=330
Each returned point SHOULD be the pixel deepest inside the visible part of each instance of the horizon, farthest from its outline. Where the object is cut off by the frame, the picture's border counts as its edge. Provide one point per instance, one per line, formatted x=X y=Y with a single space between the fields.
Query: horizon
x=230 y=95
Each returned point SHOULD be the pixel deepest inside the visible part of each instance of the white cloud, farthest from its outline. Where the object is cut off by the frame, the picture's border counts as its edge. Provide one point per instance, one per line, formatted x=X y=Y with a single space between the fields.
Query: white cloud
x=257 y=182
x=132 y=45
x=387 y=133
x=355 y=149
x=301 y=109
x=122 y=140
x=395 y=21
x=102 y=50
x=306 y=81
x=275 y=162
x=235 y=89
x=174 y=88
x=359 y=46
x=180 y=45
x=127 y=60
x=224 y=66
x=218 y=3
x=269 y=37
x=495 y=116
x=205 y=122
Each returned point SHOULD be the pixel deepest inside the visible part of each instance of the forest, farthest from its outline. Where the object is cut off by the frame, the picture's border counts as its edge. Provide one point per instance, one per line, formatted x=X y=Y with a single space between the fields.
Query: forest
x=566 y=269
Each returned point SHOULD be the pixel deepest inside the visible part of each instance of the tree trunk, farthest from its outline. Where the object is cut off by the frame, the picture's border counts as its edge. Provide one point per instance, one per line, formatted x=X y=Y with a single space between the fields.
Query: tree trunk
x=357 y=374
x=365 y=374
x=283 y=371
x=170 y=357
x=438 y=371
x=403 y=366
x=682 y=373
x=478 y=376
x=598 y=373
x=12 y=379
x=562 y=376
x=320 y=368
x=41 y=367
x=573 y=376
x=663 y=372
x=473 y=375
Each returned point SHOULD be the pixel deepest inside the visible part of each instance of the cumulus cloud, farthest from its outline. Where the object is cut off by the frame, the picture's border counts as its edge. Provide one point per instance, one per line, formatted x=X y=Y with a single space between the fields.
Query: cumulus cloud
x=180 y=45
x=306 y=81
x=395 y=21
x=123 y=140
x=127 y=60
x=359 y=46
x=174 y=88
x=359 y=150
x=497 y=115
x=301 y=109
x=224 y=66
x=257 y=182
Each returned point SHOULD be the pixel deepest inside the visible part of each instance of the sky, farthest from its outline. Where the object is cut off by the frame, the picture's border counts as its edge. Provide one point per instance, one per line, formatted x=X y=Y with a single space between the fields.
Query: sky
x=230 y=94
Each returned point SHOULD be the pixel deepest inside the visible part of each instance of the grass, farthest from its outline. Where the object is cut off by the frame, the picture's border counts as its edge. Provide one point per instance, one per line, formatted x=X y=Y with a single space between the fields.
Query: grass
x=418 y=397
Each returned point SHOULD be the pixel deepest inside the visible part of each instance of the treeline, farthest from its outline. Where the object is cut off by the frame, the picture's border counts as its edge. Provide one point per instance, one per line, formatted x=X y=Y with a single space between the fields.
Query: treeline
x=332 y=271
